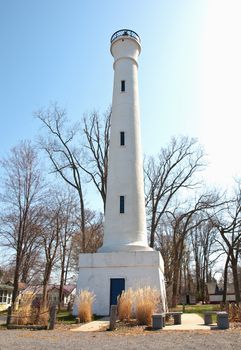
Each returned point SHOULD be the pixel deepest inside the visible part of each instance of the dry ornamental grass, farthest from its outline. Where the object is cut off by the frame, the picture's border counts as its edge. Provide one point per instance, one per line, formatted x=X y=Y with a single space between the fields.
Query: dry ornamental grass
x=146 y=302
x=85 y=301
x=24 y=315
x=141 y=304
x=125 y=305
x=235 y=312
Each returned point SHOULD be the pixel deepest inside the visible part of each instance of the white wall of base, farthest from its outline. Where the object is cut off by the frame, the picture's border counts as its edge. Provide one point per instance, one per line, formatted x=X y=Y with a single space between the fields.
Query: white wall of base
x=139 y=269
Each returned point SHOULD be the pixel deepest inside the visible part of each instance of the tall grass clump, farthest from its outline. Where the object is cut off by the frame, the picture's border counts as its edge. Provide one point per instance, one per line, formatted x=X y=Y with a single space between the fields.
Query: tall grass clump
x=146 y=303
x=84 y=301
x=125 y=304
x=24 y=314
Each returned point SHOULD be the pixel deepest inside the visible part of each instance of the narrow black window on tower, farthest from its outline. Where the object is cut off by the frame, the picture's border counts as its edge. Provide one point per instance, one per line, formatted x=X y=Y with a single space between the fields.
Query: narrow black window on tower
x=122 y=204
x=122 y=138
x=123 y=85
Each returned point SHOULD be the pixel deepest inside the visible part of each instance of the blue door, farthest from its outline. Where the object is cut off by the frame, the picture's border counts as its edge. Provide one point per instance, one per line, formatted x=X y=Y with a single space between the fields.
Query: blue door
x=117 y=285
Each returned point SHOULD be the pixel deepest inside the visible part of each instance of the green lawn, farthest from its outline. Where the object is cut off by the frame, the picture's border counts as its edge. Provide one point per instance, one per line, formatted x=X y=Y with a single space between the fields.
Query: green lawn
x=65 y=317
x=3 y=312
x=199 y=309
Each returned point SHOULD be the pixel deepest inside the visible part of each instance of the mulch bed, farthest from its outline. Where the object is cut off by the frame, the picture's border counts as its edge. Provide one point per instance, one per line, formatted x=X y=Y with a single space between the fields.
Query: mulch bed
x=131 y=327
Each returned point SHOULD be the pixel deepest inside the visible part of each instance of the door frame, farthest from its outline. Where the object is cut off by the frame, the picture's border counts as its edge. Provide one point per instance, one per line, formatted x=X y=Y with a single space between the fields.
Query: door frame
x=115 y=278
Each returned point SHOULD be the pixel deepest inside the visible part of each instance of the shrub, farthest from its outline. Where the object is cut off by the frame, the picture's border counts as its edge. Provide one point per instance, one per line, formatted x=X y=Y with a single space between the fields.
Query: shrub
x=235 y=312
x=28 y=313
x=84 y=301
x=125 y=304
x=146 y=302
x=24 y=314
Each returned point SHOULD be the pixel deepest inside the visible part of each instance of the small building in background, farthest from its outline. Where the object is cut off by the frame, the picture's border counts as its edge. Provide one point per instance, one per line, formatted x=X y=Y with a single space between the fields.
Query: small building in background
x=6 y=292
x=188 y=298
x=215 y=293
x=69 y=292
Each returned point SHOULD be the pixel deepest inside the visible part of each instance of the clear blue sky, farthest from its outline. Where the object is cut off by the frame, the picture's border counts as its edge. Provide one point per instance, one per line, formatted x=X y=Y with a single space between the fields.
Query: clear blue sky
x=189 y=71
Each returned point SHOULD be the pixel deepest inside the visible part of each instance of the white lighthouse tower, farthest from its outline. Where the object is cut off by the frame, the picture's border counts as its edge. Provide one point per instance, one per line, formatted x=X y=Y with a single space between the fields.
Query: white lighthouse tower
x=125 y=260
x=125 y=218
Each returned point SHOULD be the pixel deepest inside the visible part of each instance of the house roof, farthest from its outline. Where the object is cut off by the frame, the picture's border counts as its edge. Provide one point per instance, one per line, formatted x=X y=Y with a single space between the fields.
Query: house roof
x=21 y=285
x=34 y=289
x=5 y=287
x=68 y=289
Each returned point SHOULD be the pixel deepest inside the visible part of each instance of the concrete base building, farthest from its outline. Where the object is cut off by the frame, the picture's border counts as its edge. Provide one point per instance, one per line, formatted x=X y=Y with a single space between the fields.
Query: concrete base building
x=108 y=274
x=125 y=260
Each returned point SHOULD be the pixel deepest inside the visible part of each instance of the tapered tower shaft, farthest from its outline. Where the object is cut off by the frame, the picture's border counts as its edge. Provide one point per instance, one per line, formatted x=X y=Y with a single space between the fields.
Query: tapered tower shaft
x=125 y=218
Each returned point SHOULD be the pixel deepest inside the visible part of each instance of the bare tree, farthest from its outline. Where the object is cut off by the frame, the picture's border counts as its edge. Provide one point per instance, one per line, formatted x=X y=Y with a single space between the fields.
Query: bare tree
x=50 y=236
x=63 y=153
x=183 y=222
x=31 y=261
x=6 y=273
x=68 y=210
x=225 y=277
x=186 y=283
x=21 y=198
x=94 y=236
x=97 y=132
x=95 y=231
x=72 y=161
x=205 y=252
x=173 y=170
x=228 y=223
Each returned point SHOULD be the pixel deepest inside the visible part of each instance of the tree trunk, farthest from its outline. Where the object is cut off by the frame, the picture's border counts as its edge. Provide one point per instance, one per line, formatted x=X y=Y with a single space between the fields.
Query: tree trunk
x=225 y=279
x=175 y=286
x=153 y=228
x=198 y=284
x=67 y=265
x=82 y=213
x=47 y=273
x=180 y=279
x=235 y=279
x=16 y=281
x=203 y=282
x=61 y=287
x=25 y=269
x=176 y=272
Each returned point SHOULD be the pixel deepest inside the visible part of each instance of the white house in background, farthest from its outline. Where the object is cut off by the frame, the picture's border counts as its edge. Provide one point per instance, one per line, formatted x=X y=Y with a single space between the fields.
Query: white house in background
x=215 y=293
x=69 y=292
x=6 y=292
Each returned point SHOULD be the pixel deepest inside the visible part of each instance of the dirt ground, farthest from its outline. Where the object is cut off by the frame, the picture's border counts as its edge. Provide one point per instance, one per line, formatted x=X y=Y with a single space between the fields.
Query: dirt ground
x=130 y=338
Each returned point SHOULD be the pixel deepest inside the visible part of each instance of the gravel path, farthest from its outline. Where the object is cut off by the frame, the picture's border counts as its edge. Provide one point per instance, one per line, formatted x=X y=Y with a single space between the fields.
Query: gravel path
x=64 y=339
